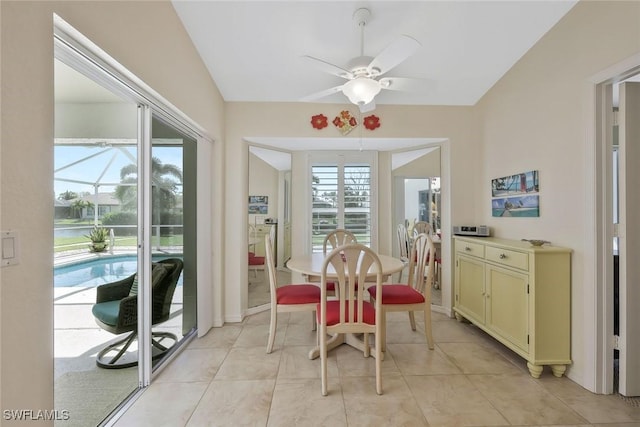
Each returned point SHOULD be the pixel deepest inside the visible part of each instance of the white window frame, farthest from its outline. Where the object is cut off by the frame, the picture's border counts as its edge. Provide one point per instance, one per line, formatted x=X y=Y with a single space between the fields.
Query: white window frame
x=342 y=158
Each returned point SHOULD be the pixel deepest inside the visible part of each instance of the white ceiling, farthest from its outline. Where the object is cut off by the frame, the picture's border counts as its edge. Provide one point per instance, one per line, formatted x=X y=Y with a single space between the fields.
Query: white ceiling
x=254 y=50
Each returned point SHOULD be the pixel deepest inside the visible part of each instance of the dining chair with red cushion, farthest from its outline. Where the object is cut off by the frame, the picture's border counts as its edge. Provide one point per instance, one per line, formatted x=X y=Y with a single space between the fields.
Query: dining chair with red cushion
x=332 y=240
x=287 y=298
x=421 y=227
x=415 y=295
x=350 y=312
x=252 y=240
x=256 y=263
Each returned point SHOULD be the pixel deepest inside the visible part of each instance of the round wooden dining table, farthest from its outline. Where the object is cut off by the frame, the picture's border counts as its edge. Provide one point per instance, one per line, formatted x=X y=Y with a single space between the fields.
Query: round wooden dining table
x=311 y=267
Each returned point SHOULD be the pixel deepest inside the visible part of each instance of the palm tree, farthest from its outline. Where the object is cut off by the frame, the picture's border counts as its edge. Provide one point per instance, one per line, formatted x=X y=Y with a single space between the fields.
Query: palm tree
x=164 y=180
x=78 y=205
x=68 y=195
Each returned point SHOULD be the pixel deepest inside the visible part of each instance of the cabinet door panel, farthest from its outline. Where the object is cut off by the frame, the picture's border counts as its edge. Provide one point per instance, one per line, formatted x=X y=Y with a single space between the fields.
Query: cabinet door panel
x=507 y=305
x=470 y=291
x=261 y=232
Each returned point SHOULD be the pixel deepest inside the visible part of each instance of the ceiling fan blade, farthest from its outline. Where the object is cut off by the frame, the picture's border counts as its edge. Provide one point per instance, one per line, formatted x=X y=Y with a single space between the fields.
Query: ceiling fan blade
x=322 y=94
x=407 y=84
x=402 y=48
x=365 y=108
x=330 y=68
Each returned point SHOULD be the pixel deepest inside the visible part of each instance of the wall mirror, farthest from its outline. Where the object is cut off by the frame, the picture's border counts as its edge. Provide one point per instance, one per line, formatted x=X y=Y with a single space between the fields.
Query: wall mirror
x=269 y=207
x=417 y=197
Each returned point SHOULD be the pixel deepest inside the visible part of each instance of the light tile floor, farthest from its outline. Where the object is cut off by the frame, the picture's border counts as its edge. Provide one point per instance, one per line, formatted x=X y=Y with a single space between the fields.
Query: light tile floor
x=226 y=379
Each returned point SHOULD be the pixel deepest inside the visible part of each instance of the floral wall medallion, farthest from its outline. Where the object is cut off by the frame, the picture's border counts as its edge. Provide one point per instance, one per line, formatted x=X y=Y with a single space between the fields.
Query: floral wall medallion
x=345 y=122
x=371 y=122
x=319 y=121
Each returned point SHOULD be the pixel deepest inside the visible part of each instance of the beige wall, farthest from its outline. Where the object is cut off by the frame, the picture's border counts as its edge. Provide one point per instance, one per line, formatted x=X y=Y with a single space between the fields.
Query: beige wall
x=423 y=166
x=539 y=117
x=263 y=181
x=148 y=39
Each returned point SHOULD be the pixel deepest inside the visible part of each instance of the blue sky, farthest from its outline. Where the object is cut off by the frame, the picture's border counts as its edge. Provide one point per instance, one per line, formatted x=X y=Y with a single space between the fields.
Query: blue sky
x=92 y=169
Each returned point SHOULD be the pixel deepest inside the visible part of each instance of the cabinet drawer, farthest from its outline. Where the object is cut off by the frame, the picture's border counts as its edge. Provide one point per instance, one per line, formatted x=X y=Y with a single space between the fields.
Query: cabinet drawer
x=507 y=257
x=470 y=248
x=263 y=229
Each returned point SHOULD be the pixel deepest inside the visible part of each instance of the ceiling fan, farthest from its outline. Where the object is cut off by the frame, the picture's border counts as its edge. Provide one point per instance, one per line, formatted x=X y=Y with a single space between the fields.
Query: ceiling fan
x=364 y=72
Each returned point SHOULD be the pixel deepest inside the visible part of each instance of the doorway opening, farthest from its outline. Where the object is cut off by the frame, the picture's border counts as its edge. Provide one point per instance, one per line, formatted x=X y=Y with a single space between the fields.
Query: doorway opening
x=618 y=338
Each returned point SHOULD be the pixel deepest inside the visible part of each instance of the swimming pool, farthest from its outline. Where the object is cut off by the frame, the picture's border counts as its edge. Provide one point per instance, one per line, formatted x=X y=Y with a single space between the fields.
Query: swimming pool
x=96 y=271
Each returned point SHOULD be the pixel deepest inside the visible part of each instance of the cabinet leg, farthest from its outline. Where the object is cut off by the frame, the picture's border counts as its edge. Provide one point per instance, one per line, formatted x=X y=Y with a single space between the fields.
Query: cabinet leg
x=458 y=317
x=534 y=370
x=558 y=370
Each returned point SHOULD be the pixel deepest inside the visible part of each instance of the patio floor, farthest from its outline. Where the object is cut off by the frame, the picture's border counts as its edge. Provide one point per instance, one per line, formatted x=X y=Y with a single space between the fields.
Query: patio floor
x=89 y=393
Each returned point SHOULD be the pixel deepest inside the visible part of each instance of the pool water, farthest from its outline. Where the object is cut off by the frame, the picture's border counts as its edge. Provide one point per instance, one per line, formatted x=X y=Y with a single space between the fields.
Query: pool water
x=98 y=271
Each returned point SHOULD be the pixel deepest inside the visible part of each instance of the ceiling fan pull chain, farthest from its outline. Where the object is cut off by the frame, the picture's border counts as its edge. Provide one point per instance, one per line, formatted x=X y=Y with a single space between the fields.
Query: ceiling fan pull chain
x=360 y=124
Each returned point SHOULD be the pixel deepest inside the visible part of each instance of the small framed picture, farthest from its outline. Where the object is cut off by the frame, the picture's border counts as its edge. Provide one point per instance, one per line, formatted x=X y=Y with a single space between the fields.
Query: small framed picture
x=516 y=195
x=258 y=205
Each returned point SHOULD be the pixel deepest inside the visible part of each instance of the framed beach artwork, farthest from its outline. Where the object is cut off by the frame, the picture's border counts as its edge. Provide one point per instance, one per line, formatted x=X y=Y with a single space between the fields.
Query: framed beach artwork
x=258 y=205
x=516 y=195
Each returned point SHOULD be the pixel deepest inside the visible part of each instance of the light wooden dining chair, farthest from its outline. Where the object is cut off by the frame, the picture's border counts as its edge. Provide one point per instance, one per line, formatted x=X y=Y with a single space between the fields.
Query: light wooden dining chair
x=251 y=232
x=415 y=295
x=350 y=313
x=287 y=298
x=425 y=227
x=256 y=263
x=332 y=240
x=336 y=238
x=421 y=227
x=404 y=246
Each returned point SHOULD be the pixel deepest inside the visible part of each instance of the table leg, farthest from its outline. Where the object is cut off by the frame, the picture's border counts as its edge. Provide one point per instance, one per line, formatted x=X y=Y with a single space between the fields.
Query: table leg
x=339 y=339
x=334 y=341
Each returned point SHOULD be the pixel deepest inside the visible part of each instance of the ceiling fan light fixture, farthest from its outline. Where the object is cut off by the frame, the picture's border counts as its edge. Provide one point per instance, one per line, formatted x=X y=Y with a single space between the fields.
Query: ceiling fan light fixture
x=361 y=90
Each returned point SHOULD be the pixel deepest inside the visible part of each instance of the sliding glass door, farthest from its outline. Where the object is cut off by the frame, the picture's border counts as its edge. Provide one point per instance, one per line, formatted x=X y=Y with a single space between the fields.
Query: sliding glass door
x=173 y=218
x=125 y=236
x=95 y=241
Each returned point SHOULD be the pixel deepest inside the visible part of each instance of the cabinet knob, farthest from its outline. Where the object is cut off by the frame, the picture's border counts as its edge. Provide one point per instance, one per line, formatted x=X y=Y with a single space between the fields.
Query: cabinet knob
x=503 y=256
x=467 y=248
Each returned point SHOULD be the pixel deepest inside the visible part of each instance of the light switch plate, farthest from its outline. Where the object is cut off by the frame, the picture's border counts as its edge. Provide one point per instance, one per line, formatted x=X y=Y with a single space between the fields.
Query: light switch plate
x=10 y=248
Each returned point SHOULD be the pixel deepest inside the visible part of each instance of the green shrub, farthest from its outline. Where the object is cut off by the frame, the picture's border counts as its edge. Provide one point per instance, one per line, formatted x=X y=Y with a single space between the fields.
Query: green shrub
x=120 y=218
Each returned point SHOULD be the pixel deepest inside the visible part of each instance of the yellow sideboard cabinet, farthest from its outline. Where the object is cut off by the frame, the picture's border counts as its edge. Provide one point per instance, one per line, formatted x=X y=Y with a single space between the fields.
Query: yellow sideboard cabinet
x=520 y=295
x=261 y=231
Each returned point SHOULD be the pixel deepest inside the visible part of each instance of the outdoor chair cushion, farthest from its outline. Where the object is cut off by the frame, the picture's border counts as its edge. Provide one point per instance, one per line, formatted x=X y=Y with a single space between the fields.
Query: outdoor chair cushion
x=158 y=272
x=107 y=312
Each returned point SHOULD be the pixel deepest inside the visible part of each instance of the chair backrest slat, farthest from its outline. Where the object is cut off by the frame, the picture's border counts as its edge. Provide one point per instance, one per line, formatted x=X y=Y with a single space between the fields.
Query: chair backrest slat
x=270 y=264
x=403 y=242
x=337 y=238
